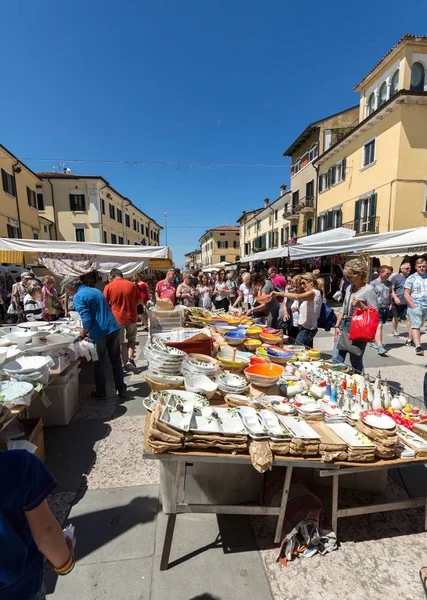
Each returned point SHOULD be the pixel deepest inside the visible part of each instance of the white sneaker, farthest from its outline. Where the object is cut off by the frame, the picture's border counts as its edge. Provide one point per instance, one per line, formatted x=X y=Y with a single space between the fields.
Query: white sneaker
x=395 y=334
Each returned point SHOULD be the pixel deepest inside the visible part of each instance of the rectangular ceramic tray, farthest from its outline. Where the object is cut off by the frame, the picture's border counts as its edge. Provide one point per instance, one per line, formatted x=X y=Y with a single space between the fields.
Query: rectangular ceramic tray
x=298 y=428
x=406 y=435
x=227 y=422
x=178 y=419
x=350 y=436
x=273 y=425
x=252 y=422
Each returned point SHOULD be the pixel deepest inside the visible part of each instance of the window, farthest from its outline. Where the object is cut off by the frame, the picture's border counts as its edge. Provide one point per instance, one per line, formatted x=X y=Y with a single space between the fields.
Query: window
x=40 y=201
x=324 y=179
x=276 y=215
x=394 y=83
x=147 y=231
x=313 y=152
x=338 y=172
x=127 y=220
x=134 y=224
x=235 y=244
x=297 y=166
x=295 y=199
x=35 y=234
x=119 y=216
x=113 y=238
x=222 y=258
x=105 y=237
x=258 y=225
x=80 y=235
x=417 y=77
x=309 y=190
x=13 y=229
x=294 y=230
x=121 y=241
x=9 y=184
x=77 y=203
x=371 y=104
x=31 y=197
x=112 y=211
x=151 y=234
x=327 y=139
x=223 y=244
x=309 y=227
x=103 y=206
x=383 y=94
x=369 y=153
x=269 y=219
x=45 y=228
x=365 y=211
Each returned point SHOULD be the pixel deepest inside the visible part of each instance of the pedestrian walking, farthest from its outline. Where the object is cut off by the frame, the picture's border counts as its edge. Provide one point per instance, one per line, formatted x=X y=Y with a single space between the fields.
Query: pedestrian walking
x=205 y=292
x=33 y=305
x=51 y=303
x=382 y=287
x=359 y=294
x=221 y=292
x=399 y=306
x=29 y=533
x=416 y=298
x=99 y=323
x=123 y=296
x=166 y=288
x=141 y=284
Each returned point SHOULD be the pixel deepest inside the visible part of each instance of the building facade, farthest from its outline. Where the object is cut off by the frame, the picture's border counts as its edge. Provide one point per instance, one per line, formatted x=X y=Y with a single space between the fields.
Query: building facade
x=86 y=208
x=193 y=260
x=374 y=179
x=220 y=244
x=316 y=139
x=267 y=227
x=19 y=200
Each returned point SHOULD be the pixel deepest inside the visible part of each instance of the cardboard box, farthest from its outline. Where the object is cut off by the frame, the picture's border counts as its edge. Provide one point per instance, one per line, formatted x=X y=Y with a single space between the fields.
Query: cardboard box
x=33 y=432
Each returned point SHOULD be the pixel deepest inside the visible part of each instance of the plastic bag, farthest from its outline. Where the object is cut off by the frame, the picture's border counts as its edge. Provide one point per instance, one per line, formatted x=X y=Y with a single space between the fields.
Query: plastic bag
x=11 y=309
x=364 y=324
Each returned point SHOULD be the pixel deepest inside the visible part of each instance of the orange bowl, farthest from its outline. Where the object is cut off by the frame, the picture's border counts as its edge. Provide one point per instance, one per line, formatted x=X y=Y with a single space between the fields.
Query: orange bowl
x=265 y=370
x=263 y=298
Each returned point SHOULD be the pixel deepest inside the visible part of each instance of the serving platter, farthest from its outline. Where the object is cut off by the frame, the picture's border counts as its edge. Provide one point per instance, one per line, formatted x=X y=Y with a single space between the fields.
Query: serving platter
x=350 y=436
x=273 y=425
x=298 y=428
x=379 y=421
x=197 y=400
x=253 y=423
x=211 y=419
x=178 y=414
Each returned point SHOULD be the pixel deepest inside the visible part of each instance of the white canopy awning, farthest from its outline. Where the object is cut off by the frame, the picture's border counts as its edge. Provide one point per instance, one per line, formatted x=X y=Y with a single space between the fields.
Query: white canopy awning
x=77 y=258
x=403 y=243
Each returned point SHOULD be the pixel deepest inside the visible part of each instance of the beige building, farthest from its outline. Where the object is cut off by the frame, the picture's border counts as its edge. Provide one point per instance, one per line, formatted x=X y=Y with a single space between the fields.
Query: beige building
x=383 y=185
x=316 y=139
x=220 y=244
x=19 y=198
x=86 y=208
x=267 y=227
x=193 y=260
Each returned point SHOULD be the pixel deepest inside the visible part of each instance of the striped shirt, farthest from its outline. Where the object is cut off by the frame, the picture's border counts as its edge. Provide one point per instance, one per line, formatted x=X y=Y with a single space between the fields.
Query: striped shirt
x=33 y=309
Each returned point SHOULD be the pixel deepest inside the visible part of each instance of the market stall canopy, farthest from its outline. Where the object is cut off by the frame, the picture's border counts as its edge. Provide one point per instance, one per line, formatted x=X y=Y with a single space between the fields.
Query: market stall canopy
x=403 y=243
x=77 y=258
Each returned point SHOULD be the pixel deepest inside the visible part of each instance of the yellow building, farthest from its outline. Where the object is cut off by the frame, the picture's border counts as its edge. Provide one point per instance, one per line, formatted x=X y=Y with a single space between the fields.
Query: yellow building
x=19 y=199
x=193 y=260
x=316 y=139
x=220 y=244
x=374 y=179
x=86 y=208
x=267 y=227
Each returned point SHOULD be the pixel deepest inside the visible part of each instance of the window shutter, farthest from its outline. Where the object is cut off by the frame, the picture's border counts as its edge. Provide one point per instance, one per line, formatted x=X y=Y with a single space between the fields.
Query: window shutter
x=344 y=166
x=319 y=224
x=330 y=219
x=333 y=175
x=4 y=179
x=226 y=244
x=338 y=222
x=72 y=203
x=29 y=196
x=321 y=183
x=13 y=185
x=373 y=206
x=10 y=231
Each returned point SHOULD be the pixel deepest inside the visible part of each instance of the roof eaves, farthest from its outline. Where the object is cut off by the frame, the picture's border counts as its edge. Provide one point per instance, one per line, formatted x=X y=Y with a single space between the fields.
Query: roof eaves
x=19 y=161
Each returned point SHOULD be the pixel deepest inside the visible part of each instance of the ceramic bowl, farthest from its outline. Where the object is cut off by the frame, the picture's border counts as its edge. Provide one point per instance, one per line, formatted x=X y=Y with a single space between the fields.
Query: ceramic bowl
x=259 y=360
x=157 y=387
x=35 y=325
x=268 y=338
x=3 y=355
x=234 y=340
x=271 y=331
x=28 y=364
x=263 y=298
x=21 y=338
x=253 y=332
x=263 y=375
x=229 y=380
x=176 y=380
x=14 y=391
x=208 y=360
x=252 y=344
x=238 y=363
x=200 y=384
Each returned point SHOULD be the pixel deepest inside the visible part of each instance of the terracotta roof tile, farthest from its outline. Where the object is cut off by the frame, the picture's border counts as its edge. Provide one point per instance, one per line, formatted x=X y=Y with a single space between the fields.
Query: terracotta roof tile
x=225 y=228
x=404 y=38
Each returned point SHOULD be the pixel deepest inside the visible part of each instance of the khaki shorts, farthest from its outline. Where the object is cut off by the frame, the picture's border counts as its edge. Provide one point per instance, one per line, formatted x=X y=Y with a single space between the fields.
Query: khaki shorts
x=131 y=330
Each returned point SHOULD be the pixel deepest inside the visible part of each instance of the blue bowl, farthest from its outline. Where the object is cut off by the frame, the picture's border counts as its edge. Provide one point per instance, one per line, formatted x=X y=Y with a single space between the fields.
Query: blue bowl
x=234 y=335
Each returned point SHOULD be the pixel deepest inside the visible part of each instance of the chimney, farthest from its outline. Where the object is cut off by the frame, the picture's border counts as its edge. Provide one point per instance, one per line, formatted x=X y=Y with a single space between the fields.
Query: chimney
x=266 y=202
x=283 y=189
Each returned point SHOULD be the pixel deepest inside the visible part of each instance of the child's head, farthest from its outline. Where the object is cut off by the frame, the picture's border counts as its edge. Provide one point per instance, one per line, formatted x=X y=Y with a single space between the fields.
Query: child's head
x=35 y=291
x=48 y=281
x=150 y=296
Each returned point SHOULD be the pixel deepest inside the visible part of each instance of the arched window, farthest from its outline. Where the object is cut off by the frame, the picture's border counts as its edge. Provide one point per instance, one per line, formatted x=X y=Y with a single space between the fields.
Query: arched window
x=394 y=83
x=383 y=94
x=417 y=77
x=371 y=104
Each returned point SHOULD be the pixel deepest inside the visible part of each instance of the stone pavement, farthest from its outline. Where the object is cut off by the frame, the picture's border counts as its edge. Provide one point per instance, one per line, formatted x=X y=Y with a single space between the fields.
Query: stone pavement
x=112 y=497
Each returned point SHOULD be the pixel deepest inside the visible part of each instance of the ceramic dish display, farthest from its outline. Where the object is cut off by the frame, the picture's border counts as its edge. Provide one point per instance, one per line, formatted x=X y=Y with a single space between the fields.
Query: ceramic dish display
x=167 y=379
x=271 y=339
x=254 y=425
x=238 y=363
x=28 y=364
x=217 y=420
x=273 y=425
x=406 y=435
x=178 y=414
x=197 y=400
x=298 y=427
x=148 y=403
x=3 y=355
x=253 y=332
x=350 y=436
x=263 y=298
x=263 y=375
x=200 y=384
x=279 y=404
x=234 y=338
x=379 y=421
x=53 y=342
x=16 y=392
x=34 y=325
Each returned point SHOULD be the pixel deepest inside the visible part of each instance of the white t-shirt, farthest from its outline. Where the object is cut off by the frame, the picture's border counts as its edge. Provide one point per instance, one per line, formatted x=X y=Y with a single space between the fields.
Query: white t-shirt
x=219 y=287
x=205 y=299
x=309 y=312
x=295 y=315
x=248 y=297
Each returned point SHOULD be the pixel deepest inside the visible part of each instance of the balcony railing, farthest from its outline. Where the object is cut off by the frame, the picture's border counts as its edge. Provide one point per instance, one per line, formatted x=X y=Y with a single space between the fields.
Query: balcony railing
x=306 y=205
x=364 y=225
x=291 y=213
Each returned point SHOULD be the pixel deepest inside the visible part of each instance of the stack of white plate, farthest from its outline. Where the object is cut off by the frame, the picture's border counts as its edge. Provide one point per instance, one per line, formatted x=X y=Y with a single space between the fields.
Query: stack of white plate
x=163 y=359
x=231 y=384
x=199 y=364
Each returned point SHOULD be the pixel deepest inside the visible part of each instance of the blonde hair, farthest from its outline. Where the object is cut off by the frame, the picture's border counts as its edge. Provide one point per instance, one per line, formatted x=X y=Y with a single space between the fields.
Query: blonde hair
x=186 y=274
x=34 y=288
x=246 y=278
x=48 y=279
x=316 y=272
x=309 y=278
x=356 y=266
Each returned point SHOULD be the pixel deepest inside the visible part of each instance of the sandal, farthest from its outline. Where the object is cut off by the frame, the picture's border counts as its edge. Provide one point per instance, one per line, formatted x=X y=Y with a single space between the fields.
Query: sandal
x=423 y=577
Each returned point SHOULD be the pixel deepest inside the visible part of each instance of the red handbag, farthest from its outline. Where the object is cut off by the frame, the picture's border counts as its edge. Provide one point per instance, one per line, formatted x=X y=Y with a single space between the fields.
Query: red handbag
x=364 y=324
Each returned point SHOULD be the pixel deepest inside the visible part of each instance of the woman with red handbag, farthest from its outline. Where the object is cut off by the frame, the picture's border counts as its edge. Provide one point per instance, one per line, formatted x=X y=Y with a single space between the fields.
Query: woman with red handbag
x=359 y=295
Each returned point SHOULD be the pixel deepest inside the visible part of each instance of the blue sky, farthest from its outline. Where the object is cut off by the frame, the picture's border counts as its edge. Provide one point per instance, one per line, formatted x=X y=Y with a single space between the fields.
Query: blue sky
x=188 y=82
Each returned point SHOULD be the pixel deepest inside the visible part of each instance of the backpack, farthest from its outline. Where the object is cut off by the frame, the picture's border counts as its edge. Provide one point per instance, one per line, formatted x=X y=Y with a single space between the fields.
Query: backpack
x=327 y=318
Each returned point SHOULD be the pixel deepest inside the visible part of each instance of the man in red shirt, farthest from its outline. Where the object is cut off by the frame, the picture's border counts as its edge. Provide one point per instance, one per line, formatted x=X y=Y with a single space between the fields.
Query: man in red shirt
x=123 y=297
x=277 y=280
x=166 y=288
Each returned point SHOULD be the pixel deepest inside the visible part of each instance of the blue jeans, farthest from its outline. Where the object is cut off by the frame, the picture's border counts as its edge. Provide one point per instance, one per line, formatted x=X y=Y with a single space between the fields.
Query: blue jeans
x=338 y=356
x=111 y=344
x=306 y=337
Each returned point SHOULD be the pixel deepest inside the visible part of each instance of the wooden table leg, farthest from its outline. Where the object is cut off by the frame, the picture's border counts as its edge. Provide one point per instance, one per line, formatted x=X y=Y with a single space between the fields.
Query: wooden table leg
x=170 y=527
x=335 y=488
x=285 y=494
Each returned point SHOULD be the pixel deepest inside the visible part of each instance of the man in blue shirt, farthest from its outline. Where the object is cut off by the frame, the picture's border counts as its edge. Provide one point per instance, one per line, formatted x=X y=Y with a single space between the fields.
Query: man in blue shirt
x=416 y=299
x=98 y=321
x=28 y=530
